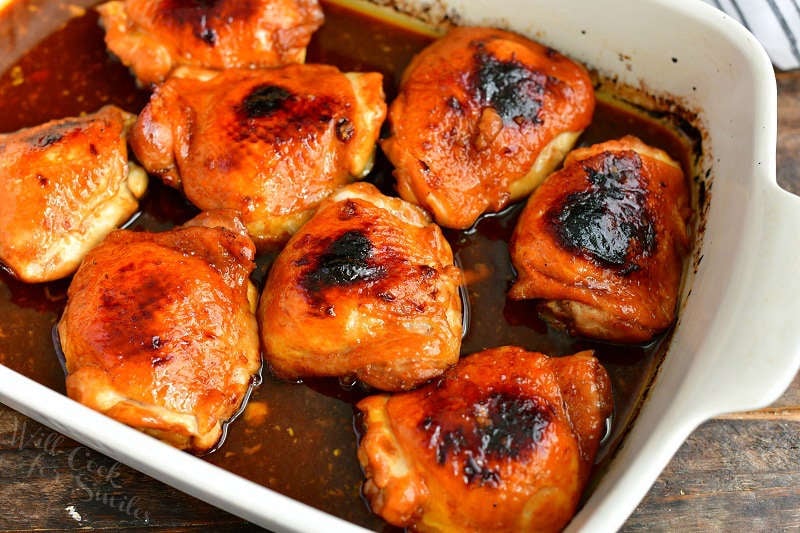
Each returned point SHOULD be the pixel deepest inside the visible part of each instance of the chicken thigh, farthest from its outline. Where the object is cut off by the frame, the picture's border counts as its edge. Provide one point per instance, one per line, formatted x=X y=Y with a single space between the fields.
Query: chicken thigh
x=482 y=116
x=64 y=185
x=159 y=331
x=270 y=144
x=602 y=242
x=504 y=441
x=368 y=289
x=153 y=37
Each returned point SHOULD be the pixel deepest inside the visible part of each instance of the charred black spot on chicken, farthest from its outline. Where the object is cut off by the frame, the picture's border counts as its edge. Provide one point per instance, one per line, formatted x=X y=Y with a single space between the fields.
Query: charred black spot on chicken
x=264 y=100
x=274 y=114
x=206 y=34
x=454 y=104
x=46 y=140
x=64 y=129
x=515 y=91
x=348 y=210
x=609 y=222
x=345 y=261
x=510 y=425
x=203 y=16
x=499 y=427
x=344 y=130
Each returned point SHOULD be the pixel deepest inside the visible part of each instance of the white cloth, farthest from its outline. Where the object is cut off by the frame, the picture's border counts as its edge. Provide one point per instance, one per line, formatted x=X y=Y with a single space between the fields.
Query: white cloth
x=776 y=23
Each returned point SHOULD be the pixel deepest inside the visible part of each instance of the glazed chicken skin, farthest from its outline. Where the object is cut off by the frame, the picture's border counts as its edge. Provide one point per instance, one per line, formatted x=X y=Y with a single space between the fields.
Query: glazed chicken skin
x=270 y=144
x=602 y=242
x=367 y=289
x=153 y=37
x=159 y=331
x=482 y=116
x=65 y=185
x=504 y=441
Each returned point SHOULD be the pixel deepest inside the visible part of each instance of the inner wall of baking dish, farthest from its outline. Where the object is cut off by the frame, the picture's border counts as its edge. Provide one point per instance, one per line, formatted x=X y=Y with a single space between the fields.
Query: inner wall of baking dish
x=323 y=404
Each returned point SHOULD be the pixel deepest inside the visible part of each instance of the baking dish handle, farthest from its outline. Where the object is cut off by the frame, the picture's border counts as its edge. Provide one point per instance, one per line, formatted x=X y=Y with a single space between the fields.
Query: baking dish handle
x=765 y=347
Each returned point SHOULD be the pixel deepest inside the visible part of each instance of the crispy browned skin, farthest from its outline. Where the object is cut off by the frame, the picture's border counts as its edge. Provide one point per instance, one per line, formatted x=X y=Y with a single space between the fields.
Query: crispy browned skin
x=64 y=185
x=367 y=288
x=159 y=331
x=155 y=36
x=482 y=116
x=270 y=144
x=504 y=441
x=602 y=241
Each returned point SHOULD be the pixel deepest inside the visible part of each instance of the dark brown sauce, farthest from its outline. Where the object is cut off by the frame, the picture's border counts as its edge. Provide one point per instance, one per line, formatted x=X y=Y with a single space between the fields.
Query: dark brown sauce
x=299 y=439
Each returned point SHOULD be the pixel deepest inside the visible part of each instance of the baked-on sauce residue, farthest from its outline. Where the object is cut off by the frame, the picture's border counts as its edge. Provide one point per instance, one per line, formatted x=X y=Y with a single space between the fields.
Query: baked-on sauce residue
x=295 y=438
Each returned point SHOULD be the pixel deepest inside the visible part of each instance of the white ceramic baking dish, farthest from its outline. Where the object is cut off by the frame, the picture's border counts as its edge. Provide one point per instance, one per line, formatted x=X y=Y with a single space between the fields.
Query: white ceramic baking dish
x=737 y=343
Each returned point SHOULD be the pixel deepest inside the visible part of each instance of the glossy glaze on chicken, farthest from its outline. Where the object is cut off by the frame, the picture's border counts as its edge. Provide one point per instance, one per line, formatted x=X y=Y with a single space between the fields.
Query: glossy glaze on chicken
x=270 y=144
x=482 y=116
x=602 y=242
x=65 y=185
x=504 y=441
x=159 y=330
x=370 y=281
x=153 y=37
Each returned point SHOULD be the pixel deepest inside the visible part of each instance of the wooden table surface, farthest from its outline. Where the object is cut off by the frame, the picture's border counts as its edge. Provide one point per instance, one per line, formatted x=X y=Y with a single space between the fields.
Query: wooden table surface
x=734 y=473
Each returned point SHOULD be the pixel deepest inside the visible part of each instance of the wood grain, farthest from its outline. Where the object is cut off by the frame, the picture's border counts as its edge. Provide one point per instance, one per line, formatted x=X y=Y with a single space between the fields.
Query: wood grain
x=788 y=150
x=736 y=473
x=57 y=484
x=730 y=475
